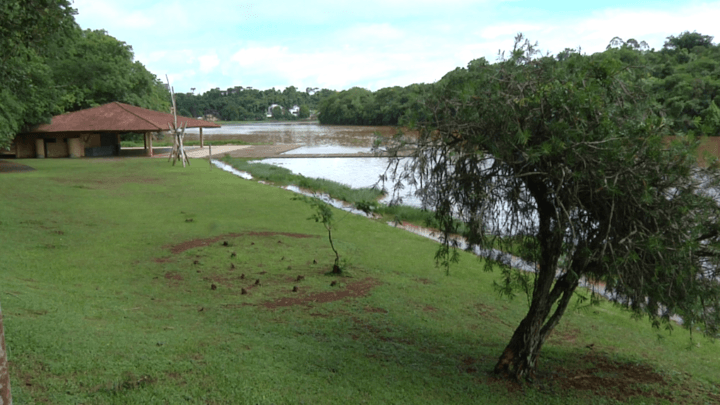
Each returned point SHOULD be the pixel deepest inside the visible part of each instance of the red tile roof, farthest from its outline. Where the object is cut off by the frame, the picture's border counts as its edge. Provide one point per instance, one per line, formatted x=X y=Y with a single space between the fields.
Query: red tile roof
x=116 y=117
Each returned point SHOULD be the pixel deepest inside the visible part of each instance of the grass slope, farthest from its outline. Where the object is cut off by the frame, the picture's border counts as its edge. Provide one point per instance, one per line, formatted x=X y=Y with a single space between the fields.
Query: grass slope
x=108 y=267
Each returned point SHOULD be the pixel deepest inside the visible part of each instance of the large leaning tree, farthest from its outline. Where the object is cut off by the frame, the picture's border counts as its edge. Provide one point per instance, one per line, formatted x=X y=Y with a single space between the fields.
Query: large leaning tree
x=568 y=157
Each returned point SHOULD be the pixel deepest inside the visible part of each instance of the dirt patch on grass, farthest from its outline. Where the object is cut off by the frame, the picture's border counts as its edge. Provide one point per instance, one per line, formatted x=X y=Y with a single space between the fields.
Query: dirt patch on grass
x=375 y=310
x=171 y=275
x=191 y=244
x=173 y=278
x=564 y=336
x=352 y=290
x=611 y=379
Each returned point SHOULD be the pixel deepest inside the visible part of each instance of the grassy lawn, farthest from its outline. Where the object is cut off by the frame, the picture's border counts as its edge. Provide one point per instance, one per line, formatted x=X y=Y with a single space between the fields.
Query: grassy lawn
x=118 y=287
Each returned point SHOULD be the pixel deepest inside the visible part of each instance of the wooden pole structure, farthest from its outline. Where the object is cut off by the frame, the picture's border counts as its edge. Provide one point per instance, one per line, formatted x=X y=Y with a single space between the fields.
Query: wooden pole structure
x=150 y=141
x=202 y=144
x=5 y=394
x=178 y=151
x=182 y=153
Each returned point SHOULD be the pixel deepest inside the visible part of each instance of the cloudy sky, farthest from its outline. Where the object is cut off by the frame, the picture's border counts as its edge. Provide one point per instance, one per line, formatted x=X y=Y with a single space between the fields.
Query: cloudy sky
x=339 y=44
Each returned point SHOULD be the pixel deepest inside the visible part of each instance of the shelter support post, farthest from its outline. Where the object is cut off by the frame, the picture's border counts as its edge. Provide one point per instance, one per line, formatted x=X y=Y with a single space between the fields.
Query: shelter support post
x=149 y=136
x=202 y=144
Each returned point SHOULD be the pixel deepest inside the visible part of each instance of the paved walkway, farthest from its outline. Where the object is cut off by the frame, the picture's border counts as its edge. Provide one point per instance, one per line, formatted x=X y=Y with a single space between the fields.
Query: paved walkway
x=243 y=151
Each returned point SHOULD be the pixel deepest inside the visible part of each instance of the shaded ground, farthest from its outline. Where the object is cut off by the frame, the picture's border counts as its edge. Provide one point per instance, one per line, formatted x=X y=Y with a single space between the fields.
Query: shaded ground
x=7 y=166
x=609 y=378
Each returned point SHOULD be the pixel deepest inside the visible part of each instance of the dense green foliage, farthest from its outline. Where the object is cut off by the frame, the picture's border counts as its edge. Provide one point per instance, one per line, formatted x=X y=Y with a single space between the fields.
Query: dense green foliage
x=49 y=66
x=567 y=154
x=248 y=104
x=683 y=76
x=95 y=68
x=359 y=106
x=31 y=31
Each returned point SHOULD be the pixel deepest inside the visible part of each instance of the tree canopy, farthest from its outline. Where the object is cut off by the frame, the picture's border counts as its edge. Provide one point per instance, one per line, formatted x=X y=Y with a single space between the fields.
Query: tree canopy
x=96 y=68
x=49 y=66
x=31 y=31
x=567 y=155
x=358 y=106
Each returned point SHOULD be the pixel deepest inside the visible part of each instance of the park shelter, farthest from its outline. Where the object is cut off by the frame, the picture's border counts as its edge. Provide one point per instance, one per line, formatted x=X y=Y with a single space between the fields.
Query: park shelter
x=96 y=131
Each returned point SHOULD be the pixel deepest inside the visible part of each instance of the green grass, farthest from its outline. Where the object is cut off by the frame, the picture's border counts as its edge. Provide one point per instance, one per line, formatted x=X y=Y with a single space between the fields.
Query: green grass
x=98 y=308
x=359 y=197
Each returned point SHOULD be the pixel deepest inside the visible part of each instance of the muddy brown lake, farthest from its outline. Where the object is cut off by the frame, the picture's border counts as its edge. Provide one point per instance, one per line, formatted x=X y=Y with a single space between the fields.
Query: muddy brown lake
x=306 y=134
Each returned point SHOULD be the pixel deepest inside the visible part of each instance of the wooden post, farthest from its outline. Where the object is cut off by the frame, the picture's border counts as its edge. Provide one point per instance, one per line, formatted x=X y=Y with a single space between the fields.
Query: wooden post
x=145 y=141
x=202 y=144
x=149 y=135
x=5 y=394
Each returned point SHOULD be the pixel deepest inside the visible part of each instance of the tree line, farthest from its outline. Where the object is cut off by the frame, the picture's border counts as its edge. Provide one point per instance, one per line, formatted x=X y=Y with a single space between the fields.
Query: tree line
x=683 y=77
x=249 y=104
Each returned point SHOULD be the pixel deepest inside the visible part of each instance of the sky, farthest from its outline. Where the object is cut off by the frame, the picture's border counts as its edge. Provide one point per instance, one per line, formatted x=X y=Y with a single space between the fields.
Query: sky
x=338 y=44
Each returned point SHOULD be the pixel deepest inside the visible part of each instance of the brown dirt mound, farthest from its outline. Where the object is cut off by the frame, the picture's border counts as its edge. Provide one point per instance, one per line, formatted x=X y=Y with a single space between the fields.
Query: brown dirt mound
x=12 y=167
x=352 y=290
x=181 y=247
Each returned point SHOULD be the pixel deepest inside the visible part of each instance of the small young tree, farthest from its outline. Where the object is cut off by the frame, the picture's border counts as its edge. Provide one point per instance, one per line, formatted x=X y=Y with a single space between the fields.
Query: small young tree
x=568 y=155
x=323 y=214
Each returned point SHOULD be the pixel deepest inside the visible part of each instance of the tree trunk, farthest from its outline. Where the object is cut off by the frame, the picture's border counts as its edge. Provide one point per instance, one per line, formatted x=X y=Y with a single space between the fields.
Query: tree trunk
x=519 y=359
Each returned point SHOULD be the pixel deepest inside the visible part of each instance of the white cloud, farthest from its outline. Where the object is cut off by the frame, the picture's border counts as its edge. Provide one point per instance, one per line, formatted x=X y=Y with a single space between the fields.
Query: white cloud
x=208 y=62
x=378 y=43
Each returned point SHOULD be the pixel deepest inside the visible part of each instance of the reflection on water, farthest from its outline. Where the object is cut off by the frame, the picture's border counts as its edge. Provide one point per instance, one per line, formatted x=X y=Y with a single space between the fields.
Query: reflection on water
x=318 y=140
x=353 y=172
x=308 y=134
x=327 y=150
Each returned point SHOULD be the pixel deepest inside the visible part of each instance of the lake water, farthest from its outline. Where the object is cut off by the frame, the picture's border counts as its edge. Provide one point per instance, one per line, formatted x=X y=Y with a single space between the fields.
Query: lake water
x=307 y=134
x=317 y=139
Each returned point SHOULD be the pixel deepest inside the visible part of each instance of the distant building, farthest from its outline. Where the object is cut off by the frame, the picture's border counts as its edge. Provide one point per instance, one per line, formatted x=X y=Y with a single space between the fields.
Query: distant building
x=295 y=110
x=270 y=109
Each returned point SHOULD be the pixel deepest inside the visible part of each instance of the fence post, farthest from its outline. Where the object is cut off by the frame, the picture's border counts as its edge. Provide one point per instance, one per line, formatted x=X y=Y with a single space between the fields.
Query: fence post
x=5 y=395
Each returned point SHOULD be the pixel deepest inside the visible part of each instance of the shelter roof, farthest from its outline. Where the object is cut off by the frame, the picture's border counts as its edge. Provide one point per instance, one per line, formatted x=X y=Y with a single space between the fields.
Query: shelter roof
x=116 y=117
